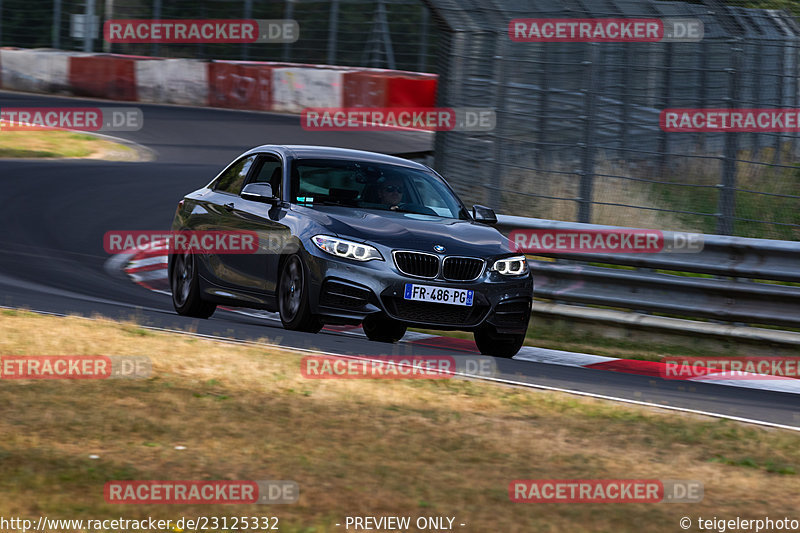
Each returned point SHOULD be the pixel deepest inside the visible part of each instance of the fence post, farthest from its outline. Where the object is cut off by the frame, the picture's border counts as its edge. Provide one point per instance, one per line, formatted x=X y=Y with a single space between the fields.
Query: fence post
x=702 y=91
x=387 y=37
x=333 y=27
x=666 y=98
x=759 y=81
x=625 y=115
x=544 y=97
x=727 y=189
x=796 y=86
x=423 y=41
x=495 y=181
x=87 y=26
x=56 y=24
x=782 y=81
x=248 y=14
x=288 y=14
x=108 y=14
x=155 y=47
x=588 y=158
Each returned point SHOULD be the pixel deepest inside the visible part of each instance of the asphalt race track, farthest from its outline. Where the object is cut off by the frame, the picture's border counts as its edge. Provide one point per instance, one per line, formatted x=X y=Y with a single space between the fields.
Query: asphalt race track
x=54 y=215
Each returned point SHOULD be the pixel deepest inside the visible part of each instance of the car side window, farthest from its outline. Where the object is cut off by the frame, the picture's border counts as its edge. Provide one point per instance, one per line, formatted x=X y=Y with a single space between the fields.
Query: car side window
x=232 y=180
x=269 y=170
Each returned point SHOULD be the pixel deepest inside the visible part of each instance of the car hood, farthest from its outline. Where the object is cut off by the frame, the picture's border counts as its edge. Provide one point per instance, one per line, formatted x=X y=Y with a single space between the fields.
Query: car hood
x=409 y=231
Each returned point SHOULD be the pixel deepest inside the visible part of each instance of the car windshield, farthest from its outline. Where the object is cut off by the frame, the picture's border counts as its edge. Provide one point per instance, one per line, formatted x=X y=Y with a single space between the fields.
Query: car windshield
x=369 y=185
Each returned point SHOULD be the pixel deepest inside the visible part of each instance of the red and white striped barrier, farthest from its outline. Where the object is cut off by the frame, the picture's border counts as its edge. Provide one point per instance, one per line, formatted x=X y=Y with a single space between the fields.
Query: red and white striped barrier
x=39 y=71
x=259 y=86
x=111 y=77
x=294 y=89
x=172 y=81
x=240 y=86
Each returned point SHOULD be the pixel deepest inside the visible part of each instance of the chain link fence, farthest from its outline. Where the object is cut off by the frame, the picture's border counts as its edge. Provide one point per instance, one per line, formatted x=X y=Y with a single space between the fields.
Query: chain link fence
x=578 y=134
x=393 y=34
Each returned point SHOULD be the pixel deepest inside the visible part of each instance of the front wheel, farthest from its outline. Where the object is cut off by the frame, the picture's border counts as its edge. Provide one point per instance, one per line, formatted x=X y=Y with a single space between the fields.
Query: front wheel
x=293 y=306
x=501 y=345
x=383 y=329
x=185 y=286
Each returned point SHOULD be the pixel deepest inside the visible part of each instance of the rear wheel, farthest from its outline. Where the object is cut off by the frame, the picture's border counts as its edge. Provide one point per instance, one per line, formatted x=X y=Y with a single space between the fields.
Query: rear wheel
x=501 y=345
x=293 y=303
x=185 y=285
x=381 y=328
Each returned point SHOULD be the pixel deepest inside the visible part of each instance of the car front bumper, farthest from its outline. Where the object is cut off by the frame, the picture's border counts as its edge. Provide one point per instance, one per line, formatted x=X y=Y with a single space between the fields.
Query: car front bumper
x=345 y=291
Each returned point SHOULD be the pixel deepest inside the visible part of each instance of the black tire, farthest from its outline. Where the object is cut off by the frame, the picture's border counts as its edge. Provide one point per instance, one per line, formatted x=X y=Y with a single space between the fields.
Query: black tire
x=381 y=328
x=184 y=284
x=293 y=305
x=492 y=343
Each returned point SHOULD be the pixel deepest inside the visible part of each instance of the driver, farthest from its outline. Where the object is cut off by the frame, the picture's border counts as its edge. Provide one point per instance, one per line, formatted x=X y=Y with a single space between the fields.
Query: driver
x=390 y=192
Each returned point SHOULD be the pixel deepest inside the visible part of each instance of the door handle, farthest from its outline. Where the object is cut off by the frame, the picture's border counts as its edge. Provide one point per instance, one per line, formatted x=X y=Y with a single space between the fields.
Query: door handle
x=229 y=206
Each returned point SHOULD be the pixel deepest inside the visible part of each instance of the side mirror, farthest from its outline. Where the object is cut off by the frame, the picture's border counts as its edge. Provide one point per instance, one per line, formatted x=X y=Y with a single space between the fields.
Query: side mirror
x=259 y=192
x=483 y=214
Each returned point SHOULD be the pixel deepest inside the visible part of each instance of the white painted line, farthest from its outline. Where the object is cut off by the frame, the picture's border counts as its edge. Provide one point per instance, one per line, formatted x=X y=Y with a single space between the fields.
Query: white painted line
x=149 y=275
x=558 y=357
x=147 y=261
x=777 y=384
x=484 y=378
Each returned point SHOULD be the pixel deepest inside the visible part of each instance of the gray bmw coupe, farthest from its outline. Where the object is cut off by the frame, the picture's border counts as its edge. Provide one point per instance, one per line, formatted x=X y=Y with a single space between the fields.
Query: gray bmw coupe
x=352 y=237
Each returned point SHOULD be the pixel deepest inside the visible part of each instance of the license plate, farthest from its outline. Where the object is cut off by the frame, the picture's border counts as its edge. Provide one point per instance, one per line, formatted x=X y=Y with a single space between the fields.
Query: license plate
x=439 y=295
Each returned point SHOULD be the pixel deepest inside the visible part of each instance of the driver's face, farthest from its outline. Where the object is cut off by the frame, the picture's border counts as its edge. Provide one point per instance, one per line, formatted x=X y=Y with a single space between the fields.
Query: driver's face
x=392 y=192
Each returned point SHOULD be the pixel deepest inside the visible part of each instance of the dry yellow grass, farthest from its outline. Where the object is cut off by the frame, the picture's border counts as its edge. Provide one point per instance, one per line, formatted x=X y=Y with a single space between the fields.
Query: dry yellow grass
x=413 y=448
x=61 y=144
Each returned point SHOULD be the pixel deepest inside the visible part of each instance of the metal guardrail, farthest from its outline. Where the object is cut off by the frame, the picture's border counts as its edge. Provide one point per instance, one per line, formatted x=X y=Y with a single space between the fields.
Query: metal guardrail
x=745 y=284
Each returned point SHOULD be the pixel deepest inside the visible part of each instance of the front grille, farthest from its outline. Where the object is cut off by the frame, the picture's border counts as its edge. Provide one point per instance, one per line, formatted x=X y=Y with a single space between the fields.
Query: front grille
x=342 y=295
x=511 y=313
x=433 y=313
x=461 y=268
x=417 y=264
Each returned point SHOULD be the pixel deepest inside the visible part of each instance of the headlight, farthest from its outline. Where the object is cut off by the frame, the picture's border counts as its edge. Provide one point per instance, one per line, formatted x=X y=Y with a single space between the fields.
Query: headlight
x=347 y=249
x=511 y=266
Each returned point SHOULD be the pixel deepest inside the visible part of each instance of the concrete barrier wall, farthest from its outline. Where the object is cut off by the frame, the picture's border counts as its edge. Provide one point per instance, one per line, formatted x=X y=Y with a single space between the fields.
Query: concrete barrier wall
x=294 y=89
x=39 y=71
x=172 y=81
x=259 y=86
x=103 y=77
